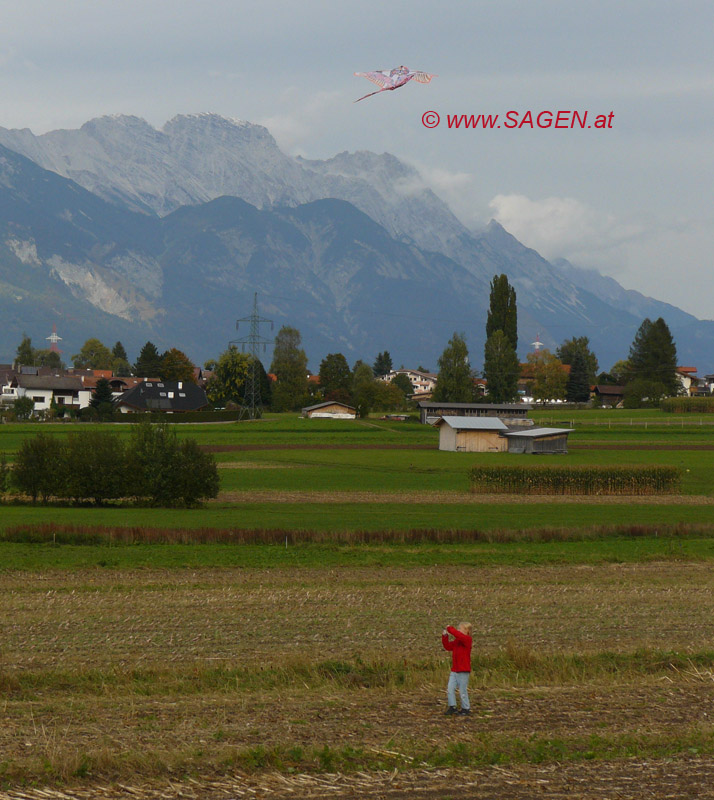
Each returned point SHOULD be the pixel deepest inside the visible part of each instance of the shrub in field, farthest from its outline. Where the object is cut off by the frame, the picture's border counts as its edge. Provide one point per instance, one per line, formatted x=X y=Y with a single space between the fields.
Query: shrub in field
x=688 y=405
x=4 y=473
x=38 y=468
x=166 y=472
x=644 y=480
x=95 y=466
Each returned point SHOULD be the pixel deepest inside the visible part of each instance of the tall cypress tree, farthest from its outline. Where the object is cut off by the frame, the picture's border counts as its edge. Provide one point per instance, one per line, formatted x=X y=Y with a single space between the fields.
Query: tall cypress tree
x=501 y=368
x=502 y=311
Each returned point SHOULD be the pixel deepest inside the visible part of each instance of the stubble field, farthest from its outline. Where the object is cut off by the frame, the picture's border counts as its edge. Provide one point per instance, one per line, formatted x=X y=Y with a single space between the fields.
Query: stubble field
x=213 y=670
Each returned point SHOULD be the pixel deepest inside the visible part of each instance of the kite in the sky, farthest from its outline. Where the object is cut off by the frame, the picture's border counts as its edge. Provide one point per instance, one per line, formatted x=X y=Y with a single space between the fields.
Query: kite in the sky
x=391 y=79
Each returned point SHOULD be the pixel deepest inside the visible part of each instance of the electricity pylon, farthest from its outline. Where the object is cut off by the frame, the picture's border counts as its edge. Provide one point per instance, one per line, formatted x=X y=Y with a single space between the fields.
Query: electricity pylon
x=252 y=407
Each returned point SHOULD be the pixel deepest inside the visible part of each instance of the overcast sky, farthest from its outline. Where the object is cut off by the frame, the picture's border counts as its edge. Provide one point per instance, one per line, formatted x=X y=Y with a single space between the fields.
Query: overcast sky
x=635 y=200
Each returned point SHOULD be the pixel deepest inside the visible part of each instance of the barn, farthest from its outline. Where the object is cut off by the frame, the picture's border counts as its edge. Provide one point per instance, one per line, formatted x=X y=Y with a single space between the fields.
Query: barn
x=330 y=409
x=538 y=440
x=471 y=434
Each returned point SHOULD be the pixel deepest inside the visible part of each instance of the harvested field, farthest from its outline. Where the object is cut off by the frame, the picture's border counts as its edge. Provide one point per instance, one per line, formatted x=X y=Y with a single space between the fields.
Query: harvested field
x=335 y=678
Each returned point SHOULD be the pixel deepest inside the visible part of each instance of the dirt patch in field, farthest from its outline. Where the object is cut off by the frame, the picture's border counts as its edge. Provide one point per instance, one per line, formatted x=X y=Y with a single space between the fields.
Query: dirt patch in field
x=256 y=465
x=641 y=447
x=458 y=498
x=238 y=448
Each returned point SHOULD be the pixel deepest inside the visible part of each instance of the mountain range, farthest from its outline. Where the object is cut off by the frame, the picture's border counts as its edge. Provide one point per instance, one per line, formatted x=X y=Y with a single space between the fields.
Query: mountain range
x=122 y=231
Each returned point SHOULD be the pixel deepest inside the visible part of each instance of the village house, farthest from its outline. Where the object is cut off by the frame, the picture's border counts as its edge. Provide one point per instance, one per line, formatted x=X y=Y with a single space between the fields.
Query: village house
x=422 y=382
x=67 y=391
x=170 y=397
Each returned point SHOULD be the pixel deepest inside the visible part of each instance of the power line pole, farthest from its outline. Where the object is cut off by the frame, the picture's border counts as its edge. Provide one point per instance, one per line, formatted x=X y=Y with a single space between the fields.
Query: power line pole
x=252 y=407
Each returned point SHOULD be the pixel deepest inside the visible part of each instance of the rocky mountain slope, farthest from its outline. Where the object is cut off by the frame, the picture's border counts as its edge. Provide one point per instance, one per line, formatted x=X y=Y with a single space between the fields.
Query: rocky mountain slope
x=166 y=234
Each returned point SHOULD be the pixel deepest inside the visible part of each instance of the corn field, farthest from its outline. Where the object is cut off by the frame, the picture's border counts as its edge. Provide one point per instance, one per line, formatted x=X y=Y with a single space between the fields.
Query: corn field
x=688 y=405
x=643 y=480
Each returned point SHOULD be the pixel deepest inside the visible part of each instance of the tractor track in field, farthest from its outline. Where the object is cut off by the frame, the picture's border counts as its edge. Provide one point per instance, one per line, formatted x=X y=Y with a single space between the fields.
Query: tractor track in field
x=456 y=498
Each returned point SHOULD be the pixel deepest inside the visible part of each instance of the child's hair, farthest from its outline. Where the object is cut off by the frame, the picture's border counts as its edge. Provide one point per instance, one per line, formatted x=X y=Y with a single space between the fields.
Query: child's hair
x=466 y=625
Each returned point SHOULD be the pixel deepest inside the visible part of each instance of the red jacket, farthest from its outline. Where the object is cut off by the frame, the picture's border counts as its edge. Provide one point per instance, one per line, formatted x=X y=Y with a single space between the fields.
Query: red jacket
x=460 y=648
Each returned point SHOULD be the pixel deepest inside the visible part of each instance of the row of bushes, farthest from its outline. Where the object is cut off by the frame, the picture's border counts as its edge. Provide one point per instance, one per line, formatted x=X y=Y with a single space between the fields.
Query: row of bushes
x=641 y=480
x=688 y=405
x=152 y=466
x=57 y=533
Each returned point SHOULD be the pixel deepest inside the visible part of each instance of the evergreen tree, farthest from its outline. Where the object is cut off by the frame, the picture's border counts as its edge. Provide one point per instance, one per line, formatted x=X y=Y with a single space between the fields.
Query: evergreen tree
x=502 y=311
x=455 y=381
x=570 y=347
x=289 y=366
x=118 y=351
x=577 y=389
x=382 y=364
x=102 y=397
x=25 y=354
x=653 y=356
x=336 y=378
x=148 y=365
x=501 y=369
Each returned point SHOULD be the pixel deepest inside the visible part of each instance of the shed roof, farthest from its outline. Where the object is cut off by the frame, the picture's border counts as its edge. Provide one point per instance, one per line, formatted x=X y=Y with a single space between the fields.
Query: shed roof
x=329 y=403
x=537 y=433
x=432 y=404
x=473 y=423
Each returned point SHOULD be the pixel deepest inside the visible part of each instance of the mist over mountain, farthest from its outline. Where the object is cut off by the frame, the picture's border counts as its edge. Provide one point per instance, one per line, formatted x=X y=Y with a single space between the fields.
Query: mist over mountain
x=127 y=232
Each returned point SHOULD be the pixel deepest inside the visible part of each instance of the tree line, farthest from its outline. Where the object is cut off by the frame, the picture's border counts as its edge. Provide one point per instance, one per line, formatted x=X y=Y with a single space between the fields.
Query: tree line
x=647 y=375
x=153 y=466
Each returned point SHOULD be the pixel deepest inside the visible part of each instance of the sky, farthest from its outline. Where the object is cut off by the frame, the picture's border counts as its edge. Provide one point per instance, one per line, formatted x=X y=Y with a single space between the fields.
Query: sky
x=633 y=200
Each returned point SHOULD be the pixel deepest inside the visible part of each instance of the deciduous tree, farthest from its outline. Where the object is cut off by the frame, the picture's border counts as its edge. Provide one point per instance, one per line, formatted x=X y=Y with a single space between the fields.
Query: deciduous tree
x=549 y=377
x=176 y=366
x=289 y=366
x=93 y=355
x=454 y=383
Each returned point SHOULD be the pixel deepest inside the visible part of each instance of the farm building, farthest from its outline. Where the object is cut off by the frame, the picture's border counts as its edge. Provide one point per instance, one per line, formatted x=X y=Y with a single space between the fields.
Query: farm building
x=330 y=409
x=430 y=410
x=471 y=434
x=538 y=440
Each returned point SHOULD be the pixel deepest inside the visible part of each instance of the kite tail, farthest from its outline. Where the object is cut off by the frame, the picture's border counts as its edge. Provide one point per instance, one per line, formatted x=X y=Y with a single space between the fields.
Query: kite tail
x=368 y=95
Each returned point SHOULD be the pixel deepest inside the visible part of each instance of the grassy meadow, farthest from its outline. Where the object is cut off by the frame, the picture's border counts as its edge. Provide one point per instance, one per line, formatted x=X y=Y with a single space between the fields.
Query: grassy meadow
x=293 y=625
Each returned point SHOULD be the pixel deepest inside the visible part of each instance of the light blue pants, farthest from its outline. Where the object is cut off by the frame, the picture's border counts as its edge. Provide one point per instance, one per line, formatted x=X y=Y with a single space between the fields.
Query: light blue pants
x=460 y=681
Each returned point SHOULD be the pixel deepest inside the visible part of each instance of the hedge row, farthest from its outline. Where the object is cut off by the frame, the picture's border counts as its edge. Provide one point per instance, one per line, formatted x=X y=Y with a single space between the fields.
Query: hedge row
x=185 y=416
x=688 y=405
x=645 y=480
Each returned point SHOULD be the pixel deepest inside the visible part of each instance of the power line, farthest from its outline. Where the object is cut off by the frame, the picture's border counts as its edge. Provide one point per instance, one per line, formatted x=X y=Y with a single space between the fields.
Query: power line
x=252 y=401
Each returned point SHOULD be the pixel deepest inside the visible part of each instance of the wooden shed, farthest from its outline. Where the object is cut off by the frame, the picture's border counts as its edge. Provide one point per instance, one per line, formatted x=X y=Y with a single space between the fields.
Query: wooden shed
x=538 y=440
x=471 y=434
x=330 y=409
